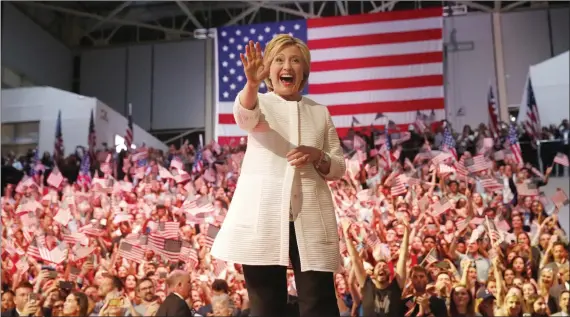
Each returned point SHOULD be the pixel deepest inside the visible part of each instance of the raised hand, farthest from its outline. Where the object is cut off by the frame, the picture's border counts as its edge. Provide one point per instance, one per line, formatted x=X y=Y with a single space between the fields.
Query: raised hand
x=254 y=68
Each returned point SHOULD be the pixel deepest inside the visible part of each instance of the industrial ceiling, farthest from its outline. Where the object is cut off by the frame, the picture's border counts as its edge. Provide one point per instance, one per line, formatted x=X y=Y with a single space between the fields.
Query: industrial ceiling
x=82 y=24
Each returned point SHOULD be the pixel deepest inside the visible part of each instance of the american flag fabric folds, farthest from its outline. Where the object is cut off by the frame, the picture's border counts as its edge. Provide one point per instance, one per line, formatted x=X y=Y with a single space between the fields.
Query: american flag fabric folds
x=58 y=149
x=493 y=113
x=362 y=65
x=514 y=145
x=531 y=123
x=129 y=133
x=92 y=136
x=561 y=159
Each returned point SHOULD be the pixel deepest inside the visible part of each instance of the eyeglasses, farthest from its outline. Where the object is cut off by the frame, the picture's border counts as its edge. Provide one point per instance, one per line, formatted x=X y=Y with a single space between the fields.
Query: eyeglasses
x=146 y=288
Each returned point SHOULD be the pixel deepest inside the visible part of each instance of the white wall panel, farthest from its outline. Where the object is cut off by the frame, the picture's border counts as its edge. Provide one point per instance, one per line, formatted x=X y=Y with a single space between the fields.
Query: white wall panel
x=43 y=103
x=526 y=42
x=469 y=73
x=110 y=123
x=32 y=52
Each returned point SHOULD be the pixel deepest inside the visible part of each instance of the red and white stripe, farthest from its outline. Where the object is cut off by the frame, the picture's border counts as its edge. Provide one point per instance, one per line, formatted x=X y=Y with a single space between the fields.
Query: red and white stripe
x=446 y=169
x=131 y=251
x=399 y=186
x=560 y=198
x=517 y=153
x=493 y=113
x=219 y=267
x=157 y=244
x=460 y=167
x=362 y=65
x=170 y=230
x=527 y=189
x=188 y=255
x=441 y=206
x=480 y=163
x=491 y=184
x=129 y=134
x=561 y=159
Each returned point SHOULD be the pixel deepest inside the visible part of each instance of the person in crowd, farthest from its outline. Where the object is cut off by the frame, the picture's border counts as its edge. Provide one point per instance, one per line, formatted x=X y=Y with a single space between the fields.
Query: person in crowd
x=179 y=286
x=222 y=305
x=26 y=303
x=110 y=287
x=7 y=300
x=410 y=229
x=564 y=304
x=148 y=304
x=293 y=147
x=76 y=304
x=421 y=300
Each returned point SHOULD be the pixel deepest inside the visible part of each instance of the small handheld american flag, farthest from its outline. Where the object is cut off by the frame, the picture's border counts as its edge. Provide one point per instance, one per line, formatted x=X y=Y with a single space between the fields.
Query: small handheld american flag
x=559 y=198
x=561 y=159
x=448 y=144
x=171 y=245
x=211 y=235
x=131 y=252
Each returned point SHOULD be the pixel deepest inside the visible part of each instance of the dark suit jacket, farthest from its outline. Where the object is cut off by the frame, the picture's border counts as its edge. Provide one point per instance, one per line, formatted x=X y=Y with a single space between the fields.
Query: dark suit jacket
x=13 y=313
x=436 y=305
x=555 y=293
x=174 y=306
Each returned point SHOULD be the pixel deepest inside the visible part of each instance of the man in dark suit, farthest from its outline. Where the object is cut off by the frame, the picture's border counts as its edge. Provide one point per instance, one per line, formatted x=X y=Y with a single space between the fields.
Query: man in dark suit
x=179 y=286
x=26 y=304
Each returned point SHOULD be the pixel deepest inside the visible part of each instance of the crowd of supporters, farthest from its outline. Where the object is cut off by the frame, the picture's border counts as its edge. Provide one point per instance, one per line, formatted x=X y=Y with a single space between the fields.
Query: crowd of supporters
x=428 y=227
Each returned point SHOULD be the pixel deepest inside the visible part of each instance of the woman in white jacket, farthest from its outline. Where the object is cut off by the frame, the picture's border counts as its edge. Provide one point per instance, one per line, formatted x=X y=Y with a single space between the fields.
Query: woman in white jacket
x=282 y=208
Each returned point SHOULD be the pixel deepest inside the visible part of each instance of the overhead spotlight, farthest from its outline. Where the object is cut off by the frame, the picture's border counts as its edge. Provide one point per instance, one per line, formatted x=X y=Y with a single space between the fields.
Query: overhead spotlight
x=202 y=34
x=513 y=119
x=212 y=32
x=456 y=9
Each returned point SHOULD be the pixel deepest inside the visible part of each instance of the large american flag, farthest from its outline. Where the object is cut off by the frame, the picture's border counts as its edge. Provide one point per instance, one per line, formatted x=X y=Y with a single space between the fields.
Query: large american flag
x=129 y=134
x=493 y=113
x=531 y=123
x=514 y=145
x=84 y=176
x=58 y=145
x=448 y=144
x=361 y=65
x=92 y=137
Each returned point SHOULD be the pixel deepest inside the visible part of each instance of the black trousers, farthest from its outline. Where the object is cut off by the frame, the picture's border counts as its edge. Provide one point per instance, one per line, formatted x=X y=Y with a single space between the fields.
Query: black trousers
x=267 y=288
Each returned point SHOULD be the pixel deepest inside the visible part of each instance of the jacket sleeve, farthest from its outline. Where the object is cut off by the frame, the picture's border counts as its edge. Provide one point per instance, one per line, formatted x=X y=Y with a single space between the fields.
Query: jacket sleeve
x=162 y=309
x=246 y=119
x=334 y=150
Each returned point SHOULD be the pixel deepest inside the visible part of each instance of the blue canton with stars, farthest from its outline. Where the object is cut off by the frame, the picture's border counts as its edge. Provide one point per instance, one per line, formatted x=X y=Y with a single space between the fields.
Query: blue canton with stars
x=231 y=42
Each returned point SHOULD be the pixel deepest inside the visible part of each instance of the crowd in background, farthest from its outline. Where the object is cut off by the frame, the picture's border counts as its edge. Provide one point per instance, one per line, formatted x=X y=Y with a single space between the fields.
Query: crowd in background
x=463 y=231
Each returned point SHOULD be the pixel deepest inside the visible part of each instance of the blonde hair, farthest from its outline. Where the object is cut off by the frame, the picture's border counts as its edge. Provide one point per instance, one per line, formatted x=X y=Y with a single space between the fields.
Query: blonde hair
x=277 y=44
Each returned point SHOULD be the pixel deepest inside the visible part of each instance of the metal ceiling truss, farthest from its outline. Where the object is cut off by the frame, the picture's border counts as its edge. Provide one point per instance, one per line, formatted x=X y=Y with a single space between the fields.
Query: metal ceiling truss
x=182 y=17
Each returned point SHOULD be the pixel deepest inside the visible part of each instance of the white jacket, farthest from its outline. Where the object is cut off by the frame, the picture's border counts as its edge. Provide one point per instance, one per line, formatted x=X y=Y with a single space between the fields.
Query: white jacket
x=256 y=228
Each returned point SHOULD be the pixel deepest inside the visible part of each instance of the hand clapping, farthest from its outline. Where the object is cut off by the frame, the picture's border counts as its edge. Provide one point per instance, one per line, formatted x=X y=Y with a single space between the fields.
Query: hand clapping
x=302 y=155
